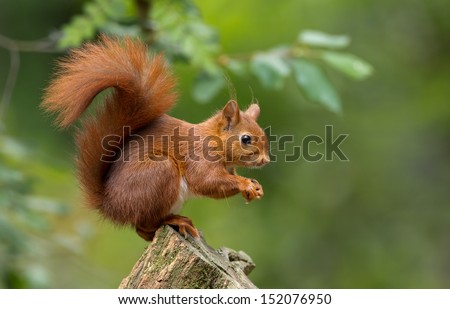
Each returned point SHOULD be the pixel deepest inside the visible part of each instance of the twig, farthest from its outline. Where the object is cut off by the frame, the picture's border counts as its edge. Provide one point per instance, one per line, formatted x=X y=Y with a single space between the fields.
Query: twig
x=15 y=47
x=144 y=8
x=45 y=46
x=295 y=51
x=14 y=65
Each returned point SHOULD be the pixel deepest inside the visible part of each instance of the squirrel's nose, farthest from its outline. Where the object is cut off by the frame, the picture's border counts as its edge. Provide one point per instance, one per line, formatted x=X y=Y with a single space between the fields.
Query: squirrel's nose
x=264 y=160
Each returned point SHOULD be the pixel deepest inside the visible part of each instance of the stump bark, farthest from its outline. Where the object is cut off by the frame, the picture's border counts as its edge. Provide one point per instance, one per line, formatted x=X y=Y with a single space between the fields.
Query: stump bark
x=173 y=262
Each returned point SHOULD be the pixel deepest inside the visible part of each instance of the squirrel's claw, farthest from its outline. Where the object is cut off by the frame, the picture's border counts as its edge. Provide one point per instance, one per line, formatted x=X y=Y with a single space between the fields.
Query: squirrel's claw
x=184 y=225
x=252 y=191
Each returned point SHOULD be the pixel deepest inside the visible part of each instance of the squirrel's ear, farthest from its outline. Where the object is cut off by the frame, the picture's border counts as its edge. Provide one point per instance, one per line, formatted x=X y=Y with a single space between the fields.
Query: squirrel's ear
x=230 y=114
x=253 y=111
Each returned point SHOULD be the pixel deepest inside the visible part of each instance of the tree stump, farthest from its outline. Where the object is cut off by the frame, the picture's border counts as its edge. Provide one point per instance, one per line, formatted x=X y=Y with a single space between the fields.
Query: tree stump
x=173 y=262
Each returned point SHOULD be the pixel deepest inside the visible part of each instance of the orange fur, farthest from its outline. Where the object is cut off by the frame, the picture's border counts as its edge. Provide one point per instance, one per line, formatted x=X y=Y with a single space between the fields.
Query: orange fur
x=134 y=188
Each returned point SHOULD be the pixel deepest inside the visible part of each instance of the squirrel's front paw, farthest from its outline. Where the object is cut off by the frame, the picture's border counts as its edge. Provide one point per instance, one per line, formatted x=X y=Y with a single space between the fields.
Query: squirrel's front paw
x=253 y=190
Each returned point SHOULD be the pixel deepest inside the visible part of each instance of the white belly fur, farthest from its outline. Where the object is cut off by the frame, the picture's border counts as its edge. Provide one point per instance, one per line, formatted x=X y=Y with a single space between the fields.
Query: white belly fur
x=183 y=194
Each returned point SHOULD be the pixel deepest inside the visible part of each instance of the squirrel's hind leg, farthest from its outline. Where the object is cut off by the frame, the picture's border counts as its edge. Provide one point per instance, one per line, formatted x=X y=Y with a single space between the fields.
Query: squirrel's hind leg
x=147 y=235
x=184 y=225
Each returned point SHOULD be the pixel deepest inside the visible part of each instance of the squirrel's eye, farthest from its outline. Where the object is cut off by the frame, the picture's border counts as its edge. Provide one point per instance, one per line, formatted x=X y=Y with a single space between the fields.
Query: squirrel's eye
x=245 y=139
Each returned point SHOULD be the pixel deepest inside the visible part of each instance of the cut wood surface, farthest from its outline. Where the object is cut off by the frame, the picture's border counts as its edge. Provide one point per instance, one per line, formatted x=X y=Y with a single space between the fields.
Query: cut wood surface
x=173 y=262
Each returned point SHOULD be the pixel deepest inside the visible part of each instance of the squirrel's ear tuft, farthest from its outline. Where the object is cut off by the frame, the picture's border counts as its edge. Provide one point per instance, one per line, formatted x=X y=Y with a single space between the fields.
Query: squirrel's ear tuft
x=253 y=111
x=230 y=114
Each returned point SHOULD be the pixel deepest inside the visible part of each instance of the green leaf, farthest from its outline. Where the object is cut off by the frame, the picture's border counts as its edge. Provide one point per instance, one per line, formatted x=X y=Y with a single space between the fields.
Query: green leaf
x=95 y=13
x=315 y=84
x=184 y=36
x=348 y=64
x=118 y=9
x=11 y=235
x=11 y=147
x=270 y=69
x=99 y=14
x=41 y=204
x=121 y=30
x=237 y=67
x=79 y=29
x=203 y=31
x=321 y=39
x=10 y=176
x=207 y=86
x=68 y=242
x=70 y=37
x=33 y=220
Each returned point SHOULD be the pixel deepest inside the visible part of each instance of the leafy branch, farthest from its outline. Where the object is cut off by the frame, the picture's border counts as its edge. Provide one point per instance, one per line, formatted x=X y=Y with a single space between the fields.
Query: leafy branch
x=176 y=28
x=15 y=47
x=28 y=233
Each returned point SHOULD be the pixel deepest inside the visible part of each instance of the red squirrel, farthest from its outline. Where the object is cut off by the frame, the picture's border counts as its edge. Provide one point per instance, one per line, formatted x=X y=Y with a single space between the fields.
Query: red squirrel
x=135 y=163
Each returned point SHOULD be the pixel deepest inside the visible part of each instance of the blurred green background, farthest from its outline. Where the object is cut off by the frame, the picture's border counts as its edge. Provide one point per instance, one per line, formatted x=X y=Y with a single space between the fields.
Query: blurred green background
x=381 y=220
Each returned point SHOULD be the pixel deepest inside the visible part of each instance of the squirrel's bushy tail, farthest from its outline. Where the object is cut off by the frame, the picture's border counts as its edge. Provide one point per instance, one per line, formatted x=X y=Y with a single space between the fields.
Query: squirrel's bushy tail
x=143 y=90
